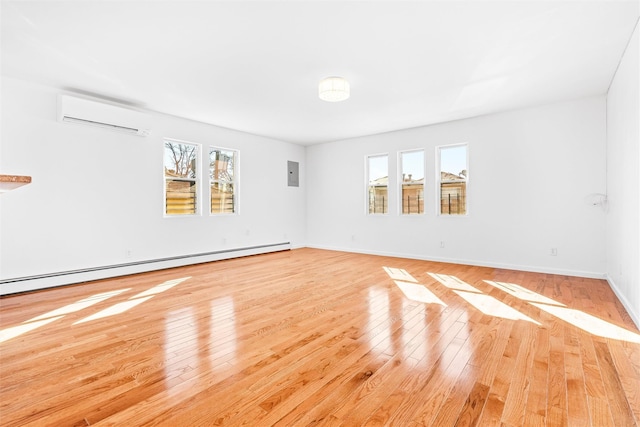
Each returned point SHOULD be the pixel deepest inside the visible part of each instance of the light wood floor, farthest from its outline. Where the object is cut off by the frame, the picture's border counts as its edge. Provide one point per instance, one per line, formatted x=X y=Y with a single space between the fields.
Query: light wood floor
x=311 y=337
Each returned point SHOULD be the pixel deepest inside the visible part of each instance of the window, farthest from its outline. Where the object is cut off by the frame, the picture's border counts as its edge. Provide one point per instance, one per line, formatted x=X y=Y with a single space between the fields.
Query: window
x=180 y=177
x=412 y=182
x=378 y=184
x=453 y=179
x=222 y=180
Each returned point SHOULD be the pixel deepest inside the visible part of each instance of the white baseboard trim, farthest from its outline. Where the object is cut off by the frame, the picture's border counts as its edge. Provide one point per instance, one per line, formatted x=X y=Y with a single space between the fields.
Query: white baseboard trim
x=533 y=269
x=625 y=302
x=32 y=283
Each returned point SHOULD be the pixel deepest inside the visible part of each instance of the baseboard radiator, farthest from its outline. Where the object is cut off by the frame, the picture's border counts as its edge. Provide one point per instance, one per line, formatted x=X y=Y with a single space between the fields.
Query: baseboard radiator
x=42 y=281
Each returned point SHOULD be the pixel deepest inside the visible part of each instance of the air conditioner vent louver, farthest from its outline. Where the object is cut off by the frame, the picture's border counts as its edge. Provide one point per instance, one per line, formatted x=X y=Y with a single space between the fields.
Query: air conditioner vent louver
x=109 y=126
x=106 y=116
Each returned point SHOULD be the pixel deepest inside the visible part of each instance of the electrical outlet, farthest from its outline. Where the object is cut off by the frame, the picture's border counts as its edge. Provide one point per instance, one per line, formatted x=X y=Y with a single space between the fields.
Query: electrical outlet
x=128 y=253
x=554 y=252
x=442 y=244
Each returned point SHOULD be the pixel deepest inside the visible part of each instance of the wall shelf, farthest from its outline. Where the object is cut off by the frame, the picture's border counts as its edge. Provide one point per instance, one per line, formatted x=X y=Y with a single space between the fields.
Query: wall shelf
x=11 y=182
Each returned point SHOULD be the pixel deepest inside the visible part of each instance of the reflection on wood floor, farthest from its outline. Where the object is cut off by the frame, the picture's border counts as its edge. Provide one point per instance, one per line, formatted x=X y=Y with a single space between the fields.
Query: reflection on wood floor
x=313 y=337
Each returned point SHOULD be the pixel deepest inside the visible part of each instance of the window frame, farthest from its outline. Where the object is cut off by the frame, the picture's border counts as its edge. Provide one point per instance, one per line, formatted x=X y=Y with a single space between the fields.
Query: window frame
x=401 y=182
x=438 y=184
x=234 y=181
x=195 y=180
x=367 y=198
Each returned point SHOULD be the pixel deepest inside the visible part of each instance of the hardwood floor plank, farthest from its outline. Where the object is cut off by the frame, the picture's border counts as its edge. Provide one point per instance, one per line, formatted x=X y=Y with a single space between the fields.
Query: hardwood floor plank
x=577 y=407
x=314 y=337
x=599 y=412
x=536 y=407
x=431 y=371
x=359 y=407
x=473 y=406
x=440 y=384
x=623 y=356
x=454 y=405
x=321 y=405
x=515 y=402
x=620 y=409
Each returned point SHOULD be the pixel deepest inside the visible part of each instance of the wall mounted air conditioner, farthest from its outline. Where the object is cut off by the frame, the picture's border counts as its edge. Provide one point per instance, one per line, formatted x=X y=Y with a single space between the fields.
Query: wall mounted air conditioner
x=83 y=111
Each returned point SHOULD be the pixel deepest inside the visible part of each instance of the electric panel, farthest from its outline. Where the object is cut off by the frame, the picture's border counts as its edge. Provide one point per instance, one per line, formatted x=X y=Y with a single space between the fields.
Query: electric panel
x=293 y=174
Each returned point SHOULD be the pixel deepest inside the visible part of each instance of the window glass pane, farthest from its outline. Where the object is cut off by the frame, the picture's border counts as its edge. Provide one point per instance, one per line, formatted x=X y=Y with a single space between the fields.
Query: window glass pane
x=222 y=198
x=412 y=163
x=378 y=169
x=453 y=180
x=222 y=175
x=222 y=164
x=180 y=163
x=180 y=159
x=180 y=197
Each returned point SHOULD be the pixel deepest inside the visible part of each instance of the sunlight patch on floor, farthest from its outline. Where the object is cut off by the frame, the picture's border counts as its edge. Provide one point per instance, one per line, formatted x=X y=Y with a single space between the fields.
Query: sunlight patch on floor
x=452 y=282
x=522 y=293
x=418 y=293
x=118 y=308
x=493 y=307
x=59 y=313
x=135 y=300
x=161 y=287
x=481 y=301
x=399 y=274
x=7 y=334
x=79 y=305
x=589 y=323
x=577 y=318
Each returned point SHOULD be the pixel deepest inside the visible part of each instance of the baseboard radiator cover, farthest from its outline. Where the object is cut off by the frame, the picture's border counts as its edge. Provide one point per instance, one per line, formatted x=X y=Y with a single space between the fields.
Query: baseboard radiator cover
x=62 y=278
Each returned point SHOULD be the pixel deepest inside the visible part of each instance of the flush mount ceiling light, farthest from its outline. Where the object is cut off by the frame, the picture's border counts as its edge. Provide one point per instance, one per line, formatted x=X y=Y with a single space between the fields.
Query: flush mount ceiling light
x=333 y=89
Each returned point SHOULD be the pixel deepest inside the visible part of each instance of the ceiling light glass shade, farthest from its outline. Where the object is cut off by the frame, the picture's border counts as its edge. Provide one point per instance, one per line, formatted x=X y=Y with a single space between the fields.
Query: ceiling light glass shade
x=333 y=89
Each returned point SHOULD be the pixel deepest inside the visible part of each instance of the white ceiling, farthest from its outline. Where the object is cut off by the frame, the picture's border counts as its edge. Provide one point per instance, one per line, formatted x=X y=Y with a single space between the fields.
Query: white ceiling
x=255 y=66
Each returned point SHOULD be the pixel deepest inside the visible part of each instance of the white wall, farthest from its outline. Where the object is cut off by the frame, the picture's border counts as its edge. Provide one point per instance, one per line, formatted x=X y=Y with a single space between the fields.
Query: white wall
x=95 y=193
x=623 y=181
x=529 y=173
